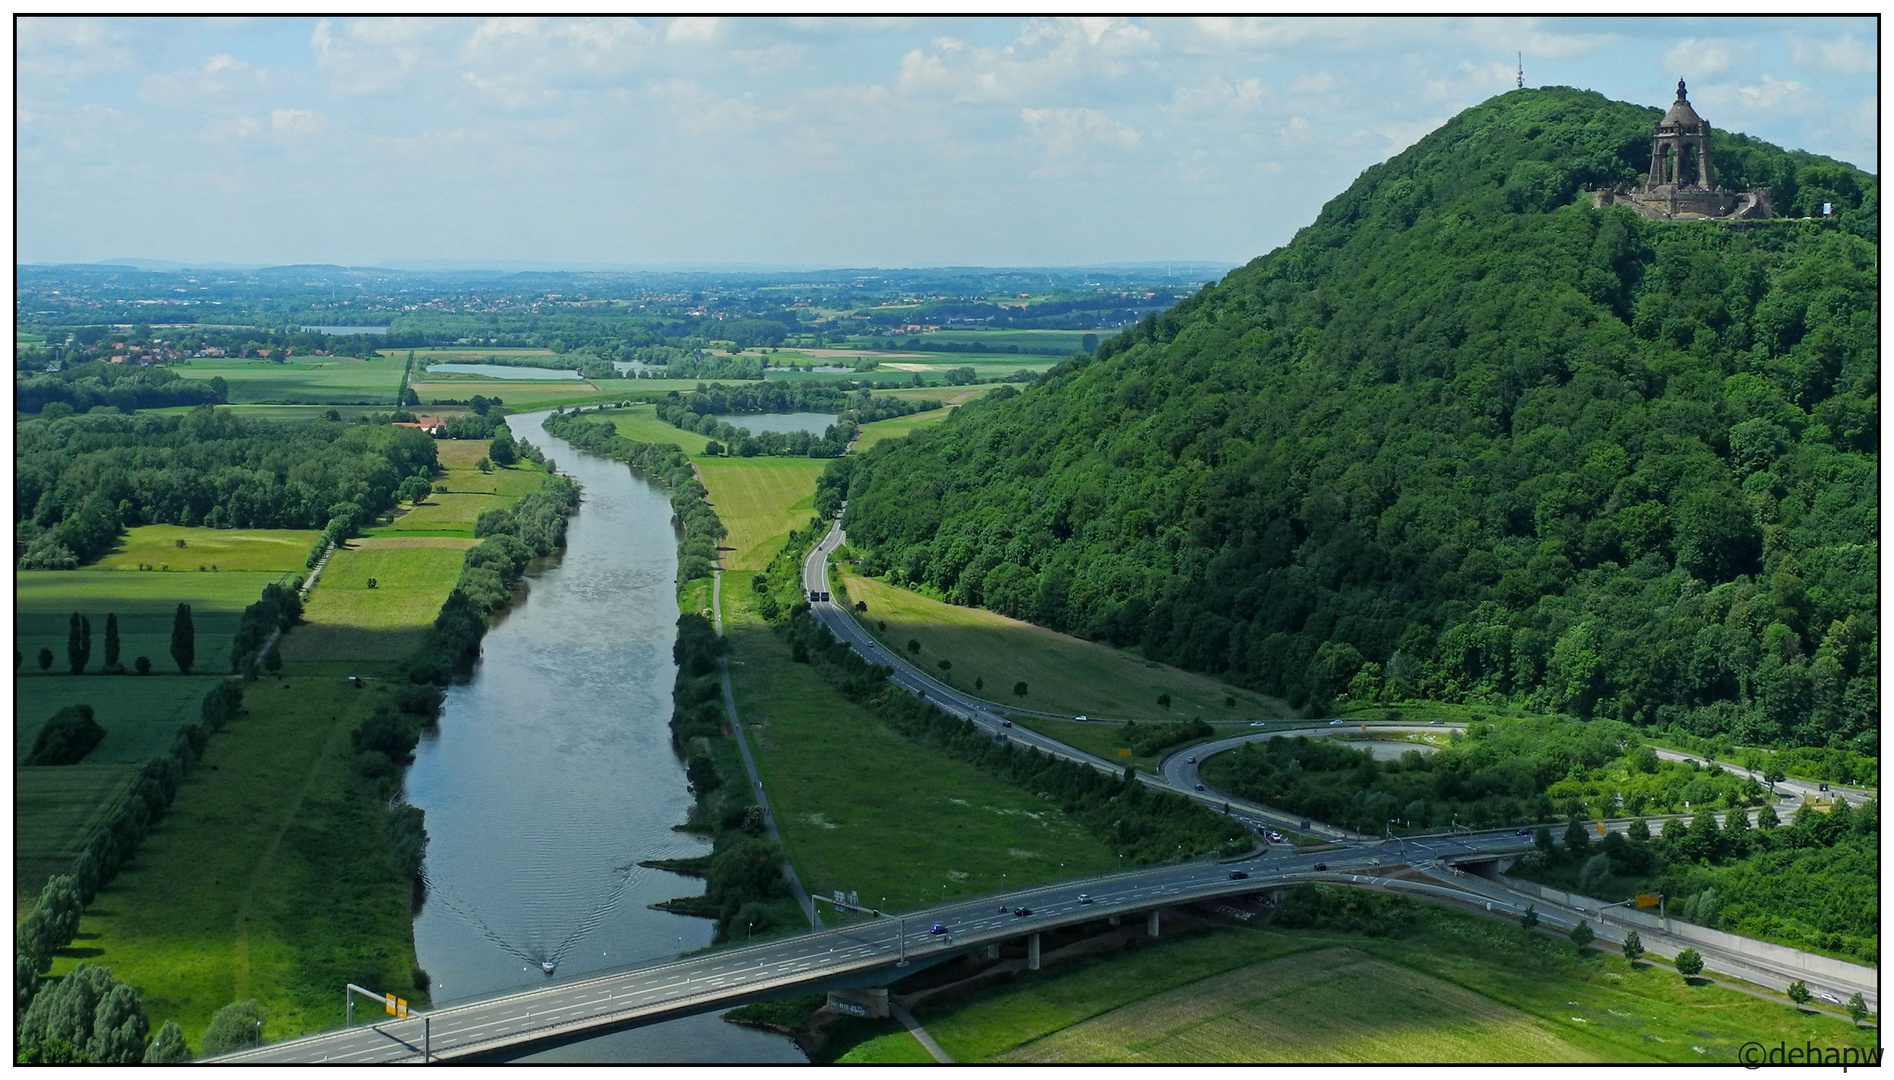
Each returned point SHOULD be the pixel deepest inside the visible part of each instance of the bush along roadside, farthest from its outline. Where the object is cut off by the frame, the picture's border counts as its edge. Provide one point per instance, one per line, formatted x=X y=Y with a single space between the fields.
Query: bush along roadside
x=1143 y=825
x=54 y=919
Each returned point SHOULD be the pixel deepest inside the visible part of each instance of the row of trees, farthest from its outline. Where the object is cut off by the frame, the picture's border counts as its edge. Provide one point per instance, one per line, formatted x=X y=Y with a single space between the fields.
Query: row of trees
x=127 y=388
x=87 y=1016
x=1509 y=773
x=80 y=481
x=1479 y=447
x=1812 y=882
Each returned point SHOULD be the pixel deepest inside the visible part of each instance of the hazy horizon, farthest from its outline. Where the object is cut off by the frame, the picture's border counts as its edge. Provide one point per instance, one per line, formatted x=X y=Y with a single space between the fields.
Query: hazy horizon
x=806 y=143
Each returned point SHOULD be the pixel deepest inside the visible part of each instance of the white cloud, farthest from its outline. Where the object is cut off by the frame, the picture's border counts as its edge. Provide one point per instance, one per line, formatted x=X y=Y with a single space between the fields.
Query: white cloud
x=1471 y=82
x=697 y=111
x=1773 y=94
x=376 y=56
x=219 y=76
x=297 y=122
x=1694 y=57
x=693 y=31
x=1318 y=82
x=1047 y=54
x=1220 y=95
x=1845 y=55
x=1065 y=134
x=57 y=51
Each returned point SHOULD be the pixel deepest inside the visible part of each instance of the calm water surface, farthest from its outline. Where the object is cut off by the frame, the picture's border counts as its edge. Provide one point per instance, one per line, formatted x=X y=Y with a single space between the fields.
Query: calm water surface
x=551 y=775
x=814 y=423
x=504 y=371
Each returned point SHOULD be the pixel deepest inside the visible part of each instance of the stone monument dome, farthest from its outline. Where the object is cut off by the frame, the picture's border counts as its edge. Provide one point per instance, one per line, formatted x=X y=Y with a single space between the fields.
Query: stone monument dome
x=1681 y=182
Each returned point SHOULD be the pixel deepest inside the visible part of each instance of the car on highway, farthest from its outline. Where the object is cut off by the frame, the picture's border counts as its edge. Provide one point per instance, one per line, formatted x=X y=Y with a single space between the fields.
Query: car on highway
x=1522 y=832
x=937 y=929
x=1238 y=875
x=1191 y=760
x=1321 y=868
x=1004 y=909
x=1199 y=787
x=1275 y=837
x=1081 y=717
x=1334 y=723
x=1259 y=723
x=1022 y=911
x=1085 y=898
x=1006 y=723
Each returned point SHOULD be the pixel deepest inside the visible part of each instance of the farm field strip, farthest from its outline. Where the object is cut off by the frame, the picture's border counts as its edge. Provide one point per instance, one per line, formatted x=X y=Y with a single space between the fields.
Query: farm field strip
x=760 y=500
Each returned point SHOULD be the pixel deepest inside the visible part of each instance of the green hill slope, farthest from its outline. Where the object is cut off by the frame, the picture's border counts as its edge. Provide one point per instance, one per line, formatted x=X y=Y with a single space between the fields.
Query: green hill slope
x=1464 y=437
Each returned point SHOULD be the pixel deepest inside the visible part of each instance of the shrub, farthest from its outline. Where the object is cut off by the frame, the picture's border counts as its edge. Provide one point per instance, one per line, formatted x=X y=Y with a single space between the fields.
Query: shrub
x=67 y=738
x=234 y=1027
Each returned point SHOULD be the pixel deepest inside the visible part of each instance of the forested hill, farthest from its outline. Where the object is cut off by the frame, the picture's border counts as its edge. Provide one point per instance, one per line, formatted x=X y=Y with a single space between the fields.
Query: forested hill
x=1466 y=438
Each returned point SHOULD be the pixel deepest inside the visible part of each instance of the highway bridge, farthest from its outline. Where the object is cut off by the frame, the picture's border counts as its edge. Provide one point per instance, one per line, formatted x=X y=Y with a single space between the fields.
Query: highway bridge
x=869 y=953
x=879 y=951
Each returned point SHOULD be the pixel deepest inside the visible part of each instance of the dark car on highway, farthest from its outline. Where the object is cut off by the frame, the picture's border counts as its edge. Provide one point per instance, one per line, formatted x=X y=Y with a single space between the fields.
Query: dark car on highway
x=937 y=928
x=1238 y=875
x=1022 y=911
x=1321 y=868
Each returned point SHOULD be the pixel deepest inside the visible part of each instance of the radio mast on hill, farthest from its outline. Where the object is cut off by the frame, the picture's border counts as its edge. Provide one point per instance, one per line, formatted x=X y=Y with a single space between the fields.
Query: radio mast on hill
x=1522 y=69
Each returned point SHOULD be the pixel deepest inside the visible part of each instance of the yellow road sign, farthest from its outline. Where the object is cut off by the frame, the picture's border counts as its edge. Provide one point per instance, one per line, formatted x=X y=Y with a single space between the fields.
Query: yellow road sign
x=1645 y=900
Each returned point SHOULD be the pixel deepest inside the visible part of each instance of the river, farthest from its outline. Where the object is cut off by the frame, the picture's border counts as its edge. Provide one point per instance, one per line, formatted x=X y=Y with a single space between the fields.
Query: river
x=551 y=775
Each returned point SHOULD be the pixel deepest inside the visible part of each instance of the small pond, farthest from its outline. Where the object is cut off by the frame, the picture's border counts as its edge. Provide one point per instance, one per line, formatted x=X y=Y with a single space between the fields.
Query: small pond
x=814 y=423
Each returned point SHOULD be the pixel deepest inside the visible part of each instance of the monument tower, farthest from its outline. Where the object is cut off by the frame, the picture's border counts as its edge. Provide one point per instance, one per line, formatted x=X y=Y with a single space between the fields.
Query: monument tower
x=1682 y=183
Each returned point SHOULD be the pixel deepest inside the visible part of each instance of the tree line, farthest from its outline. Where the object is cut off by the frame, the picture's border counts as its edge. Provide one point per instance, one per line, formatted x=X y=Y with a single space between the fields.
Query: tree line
x=81 y=480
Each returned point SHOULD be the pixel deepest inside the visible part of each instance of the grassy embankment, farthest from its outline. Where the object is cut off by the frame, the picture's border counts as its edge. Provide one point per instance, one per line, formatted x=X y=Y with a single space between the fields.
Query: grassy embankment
x=1461 y=989
x=269 y=877
x=990 y=653
x=859 y=806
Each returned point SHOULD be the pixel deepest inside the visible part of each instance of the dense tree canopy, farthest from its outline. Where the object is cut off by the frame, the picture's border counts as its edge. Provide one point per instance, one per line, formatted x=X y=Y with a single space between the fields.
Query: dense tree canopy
x=1465 y=437
x=81 y=479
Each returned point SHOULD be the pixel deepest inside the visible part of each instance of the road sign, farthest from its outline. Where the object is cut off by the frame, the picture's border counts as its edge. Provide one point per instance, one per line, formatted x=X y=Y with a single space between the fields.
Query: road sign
x=1645 y=900
x=395 y=1006
x=1124 y=753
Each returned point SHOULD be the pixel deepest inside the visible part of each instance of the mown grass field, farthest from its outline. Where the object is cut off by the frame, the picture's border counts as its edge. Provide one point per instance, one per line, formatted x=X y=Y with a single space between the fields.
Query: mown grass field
x=526 y=395
x=412 y=576
x=1461 y=988
x=760 y=500
x=897 y=428
x=1061 y=673
x=311 y=380
x=266 y=878
x=275 y=550
x=640 y=423
x=862 y=808
x=145 y=603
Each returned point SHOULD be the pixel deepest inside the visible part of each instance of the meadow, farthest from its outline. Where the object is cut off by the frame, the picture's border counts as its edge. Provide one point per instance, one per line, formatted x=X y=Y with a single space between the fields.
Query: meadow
x=1461 y=987
x=55 y=809
x=311 y=380
x=860 y=807
x=896 y=428
x=266 y=879
x=145 y=604
x=279 y=551
x=759 y=500
x=640 y=423
x=1062 y=673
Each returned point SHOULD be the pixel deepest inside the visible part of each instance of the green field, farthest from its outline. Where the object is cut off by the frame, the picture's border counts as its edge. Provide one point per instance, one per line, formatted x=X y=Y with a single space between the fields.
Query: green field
x=862 y=808
x=145 y=603
x=897 y=428
x=1460 y=988
x=55 y=808
x=294 y=414
x=140 y=716
x=308 y=380
x=279 y=551
x=266 y=878
x=1062 y=674
x=526 y=395
x=412 y=576
x=760 y=500
x=640 y=423
x=468 y=492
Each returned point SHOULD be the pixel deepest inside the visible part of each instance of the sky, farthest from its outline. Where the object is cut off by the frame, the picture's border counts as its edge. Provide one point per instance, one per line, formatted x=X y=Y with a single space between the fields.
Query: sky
x=813 y=142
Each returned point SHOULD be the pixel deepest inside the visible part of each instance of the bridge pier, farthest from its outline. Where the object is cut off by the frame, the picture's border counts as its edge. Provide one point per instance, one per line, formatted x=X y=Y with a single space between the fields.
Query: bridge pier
x=1032 y=953
x=1116 y=920
x=993 y=951
x=1150 y=923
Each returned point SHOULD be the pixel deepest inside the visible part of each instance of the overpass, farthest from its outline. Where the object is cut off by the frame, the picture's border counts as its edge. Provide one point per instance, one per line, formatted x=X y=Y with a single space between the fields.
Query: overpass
x=870 y=953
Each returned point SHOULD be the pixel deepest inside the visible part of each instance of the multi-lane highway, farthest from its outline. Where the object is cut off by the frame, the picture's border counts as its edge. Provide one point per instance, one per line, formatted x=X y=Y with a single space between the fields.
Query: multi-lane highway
x=872 y=949
x=866 y=952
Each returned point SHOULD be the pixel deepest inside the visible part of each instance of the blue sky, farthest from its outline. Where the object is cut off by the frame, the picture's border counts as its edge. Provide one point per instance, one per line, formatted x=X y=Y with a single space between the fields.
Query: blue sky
x=840 y=142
